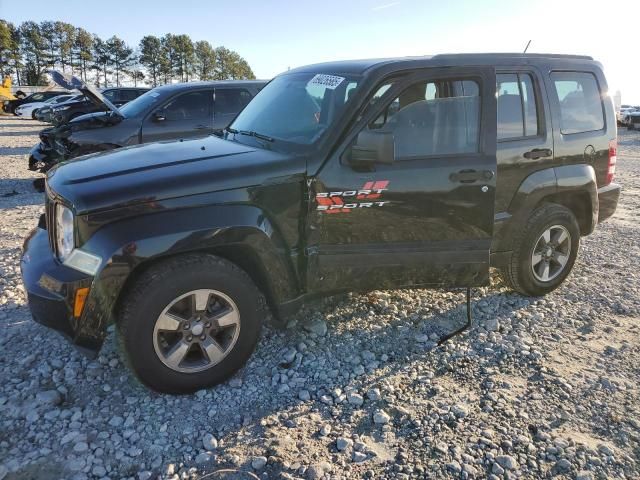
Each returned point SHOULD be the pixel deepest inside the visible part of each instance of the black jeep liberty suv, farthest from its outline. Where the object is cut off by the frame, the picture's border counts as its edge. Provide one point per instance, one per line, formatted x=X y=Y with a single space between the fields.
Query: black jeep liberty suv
x=346 y=176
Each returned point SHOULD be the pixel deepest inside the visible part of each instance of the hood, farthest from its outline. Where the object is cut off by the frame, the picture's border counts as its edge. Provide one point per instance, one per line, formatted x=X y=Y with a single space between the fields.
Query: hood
x=159 y=171
x=95 y=119
x=74 y=83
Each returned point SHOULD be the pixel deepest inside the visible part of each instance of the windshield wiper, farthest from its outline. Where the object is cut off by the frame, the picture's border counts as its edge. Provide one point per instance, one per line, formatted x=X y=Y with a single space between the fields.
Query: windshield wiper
x=250 y=133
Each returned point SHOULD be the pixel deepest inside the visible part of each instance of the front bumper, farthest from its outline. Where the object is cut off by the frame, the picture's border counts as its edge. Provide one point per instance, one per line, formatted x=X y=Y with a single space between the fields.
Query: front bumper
x=608 y=200
x=51 y=288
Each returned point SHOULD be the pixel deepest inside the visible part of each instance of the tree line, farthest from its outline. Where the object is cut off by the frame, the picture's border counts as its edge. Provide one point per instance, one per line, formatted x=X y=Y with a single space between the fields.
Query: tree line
x=28 y=50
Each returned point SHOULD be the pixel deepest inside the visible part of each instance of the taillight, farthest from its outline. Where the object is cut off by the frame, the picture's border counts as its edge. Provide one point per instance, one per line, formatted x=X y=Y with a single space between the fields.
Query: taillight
x=613 y=158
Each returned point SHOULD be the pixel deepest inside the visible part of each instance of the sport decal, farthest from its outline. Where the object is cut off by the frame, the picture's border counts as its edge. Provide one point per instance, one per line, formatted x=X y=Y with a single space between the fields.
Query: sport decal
x=344 y=202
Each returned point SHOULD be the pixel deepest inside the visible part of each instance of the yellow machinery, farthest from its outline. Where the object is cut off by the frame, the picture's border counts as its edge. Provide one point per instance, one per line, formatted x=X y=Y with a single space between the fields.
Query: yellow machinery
x=5 y=92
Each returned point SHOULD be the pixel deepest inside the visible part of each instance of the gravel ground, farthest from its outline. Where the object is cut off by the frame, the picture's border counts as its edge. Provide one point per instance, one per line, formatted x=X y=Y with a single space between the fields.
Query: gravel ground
x=356 y=387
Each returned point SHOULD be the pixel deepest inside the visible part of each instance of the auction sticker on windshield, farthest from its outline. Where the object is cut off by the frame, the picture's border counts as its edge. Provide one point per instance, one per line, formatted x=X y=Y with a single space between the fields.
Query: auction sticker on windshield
x=328 y=81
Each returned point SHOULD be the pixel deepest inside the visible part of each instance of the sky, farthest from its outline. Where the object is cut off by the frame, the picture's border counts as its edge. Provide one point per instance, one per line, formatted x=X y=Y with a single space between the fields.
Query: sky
x=274 y=35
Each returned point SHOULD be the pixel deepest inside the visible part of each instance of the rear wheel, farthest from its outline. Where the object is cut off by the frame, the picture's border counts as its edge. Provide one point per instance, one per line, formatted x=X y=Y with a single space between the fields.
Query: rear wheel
x=544 y=252
x=190 y=322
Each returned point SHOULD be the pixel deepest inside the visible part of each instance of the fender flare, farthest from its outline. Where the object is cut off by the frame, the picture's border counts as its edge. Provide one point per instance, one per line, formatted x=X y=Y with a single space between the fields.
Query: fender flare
x=547 y=184
x=129 y=246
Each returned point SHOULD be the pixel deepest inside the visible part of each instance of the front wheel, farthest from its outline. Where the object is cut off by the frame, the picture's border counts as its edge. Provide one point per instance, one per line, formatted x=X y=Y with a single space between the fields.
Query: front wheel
x=190 y=323
x=544 y=252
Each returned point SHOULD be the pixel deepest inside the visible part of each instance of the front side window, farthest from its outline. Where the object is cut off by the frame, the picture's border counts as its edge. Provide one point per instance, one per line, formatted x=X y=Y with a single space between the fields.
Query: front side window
x=296 y=109
x=517 y=109
x=580 y=102
x=432 y=118
x=189 y=106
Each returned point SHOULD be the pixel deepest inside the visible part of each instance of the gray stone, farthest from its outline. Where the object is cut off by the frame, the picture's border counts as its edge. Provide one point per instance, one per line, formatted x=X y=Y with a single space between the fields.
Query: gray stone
x=584 y=475
x=563 y=465
x=355 y=399
x=507 y=462
x=319 y=327
x=99 y=471
x=304 y=395
x=258 y=463
x=359 y=457
x=49 y=397
x=204 y=457
x=209 y=442
x=381 y=417
x=343 y=443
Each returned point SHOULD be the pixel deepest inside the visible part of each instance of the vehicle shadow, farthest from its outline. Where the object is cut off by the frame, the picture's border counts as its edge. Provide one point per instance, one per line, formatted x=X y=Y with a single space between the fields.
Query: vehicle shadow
x=6 y=123
x=15 y=150
x=19 y=192
x=16 y=134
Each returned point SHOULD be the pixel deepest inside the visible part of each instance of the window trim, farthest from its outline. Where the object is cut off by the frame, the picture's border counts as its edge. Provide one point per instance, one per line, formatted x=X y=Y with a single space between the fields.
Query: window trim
x=538 y=101
x=557 y=100
x=405 y=82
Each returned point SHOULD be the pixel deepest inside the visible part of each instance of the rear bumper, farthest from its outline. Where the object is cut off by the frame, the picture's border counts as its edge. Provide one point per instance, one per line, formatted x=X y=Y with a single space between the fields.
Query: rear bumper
x=51 y=289
x=608 y=200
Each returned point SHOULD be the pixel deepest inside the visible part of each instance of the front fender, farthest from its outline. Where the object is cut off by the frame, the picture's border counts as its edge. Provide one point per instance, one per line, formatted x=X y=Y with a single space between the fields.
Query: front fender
x=131 y=244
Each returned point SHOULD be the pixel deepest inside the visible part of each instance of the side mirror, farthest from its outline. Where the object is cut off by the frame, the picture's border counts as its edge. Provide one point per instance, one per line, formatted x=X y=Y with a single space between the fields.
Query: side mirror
x=159 y=116
x=373 y=147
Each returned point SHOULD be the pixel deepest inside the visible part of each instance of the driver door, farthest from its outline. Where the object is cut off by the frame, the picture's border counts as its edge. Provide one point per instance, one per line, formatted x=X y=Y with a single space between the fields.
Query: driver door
x=408 y=198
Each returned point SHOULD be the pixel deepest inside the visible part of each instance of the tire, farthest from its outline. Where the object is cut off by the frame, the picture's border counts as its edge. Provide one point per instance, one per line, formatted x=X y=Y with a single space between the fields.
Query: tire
x=168 y=291
x=519 y=272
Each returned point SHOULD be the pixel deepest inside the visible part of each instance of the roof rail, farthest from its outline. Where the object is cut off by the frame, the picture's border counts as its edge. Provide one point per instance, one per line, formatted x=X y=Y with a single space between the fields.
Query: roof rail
x=515 y=54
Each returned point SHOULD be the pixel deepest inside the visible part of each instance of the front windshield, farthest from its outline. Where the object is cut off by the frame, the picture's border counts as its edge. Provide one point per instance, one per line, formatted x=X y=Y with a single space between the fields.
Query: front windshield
x=297 y=108
x=141 y=104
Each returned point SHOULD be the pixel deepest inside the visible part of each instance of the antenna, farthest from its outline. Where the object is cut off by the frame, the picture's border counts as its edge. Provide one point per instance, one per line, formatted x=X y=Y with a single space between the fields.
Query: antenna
x=527 y=47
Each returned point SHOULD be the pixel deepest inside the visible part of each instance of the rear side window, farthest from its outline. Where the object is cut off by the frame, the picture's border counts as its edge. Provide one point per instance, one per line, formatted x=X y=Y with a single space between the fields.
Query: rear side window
x=517 y=108
x=580 y=102
x=231 y=100
x=128 y=95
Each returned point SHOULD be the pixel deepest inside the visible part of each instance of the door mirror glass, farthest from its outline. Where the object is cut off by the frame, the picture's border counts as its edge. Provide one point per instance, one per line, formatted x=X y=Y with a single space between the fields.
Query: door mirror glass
x=373 y=147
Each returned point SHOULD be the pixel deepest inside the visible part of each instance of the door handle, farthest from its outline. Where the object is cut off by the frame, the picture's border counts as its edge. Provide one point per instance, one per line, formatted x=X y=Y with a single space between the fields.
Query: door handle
x=538 y=153
x=470 y=176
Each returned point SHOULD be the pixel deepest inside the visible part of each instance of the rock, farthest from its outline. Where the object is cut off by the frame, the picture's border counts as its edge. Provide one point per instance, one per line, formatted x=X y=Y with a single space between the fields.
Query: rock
x=325 y=430
x=563 y=465
x=116 y=421
x=355 y=399
x=343 y=443
x=605 y=450
x=99 y=471
x=581 y=475
x=460 y=411
x=204 y=457
x=80 y=447
x=359 y=457
x=209 y=442
x=3 y=472
x=316 y=472
x=235 y=382
x=374 y=394
x=304 y=395
x=507 y=462
x=144 y=475
x=492 y=324
x=421 y=338
x=258 y=463
x=381 y=417
x=319 y=327
x=49 y=397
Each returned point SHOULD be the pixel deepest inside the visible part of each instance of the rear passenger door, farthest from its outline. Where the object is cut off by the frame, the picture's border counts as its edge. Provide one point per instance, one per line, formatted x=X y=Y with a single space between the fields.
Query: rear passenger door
x=524 y=132
x=185 y=115
x=227 y=104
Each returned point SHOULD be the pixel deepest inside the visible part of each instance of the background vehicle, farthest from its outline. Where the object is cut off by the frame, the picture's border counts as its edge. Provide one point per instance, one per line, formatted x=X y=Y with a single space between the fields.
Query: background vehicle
x=11 y=105
x=45 y=113
x=176 y=111
x=632 y=120
x=182 y=110
x=64 y=113
x=32 y=108
x=345 y=176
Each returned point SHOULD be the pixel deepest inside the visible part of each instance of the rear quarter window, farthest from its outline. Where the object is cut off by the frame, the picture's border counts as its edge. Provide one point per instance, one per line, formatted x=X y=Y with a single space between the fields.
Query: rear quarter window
x=580 y=102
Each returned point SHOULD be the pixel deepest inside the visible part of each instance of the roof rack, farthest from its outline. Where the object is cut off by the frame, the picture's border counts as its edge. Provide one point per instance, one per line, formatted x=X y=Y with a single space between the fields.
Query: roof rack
x=515 y=54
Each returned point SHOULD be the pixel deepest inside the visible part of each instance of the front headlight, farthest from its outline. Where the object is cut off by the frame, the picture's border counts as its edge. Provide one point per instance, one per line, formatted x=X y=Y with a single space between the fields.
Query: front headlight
x=64 y=231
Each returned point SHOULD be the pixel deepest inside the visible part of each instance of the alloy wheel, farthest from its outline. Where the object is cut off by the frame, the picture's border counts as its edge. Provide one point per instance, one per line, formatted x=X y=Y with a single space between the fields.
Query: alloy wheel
x=196 y=331
x=551 y=253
